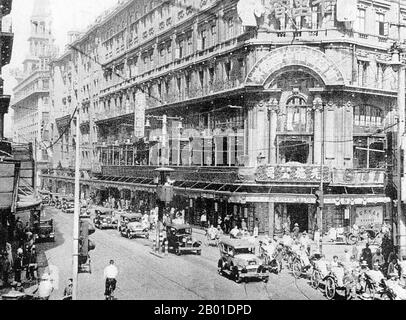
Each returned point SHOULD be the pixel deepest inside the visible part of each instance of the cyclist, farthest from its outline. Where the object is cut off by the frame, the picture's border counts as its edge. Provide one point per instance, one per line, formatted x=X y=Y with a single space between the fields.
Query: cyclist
x=110 y=274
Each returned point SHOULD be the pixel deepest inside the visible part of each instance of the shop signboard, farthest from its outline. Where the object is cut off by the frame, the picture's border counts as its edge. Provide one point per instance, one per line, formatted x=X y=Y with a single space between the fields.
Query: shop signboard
x=358 y=177
x=366 y=216
x=292 y=173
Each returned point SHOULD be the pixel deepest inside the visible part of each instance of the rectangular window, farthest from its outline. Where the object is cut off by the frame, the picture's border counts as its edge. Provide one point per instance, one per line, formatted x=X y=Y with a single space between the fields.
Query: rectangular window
x=361 y=20
x=380 y=24
x=203 y=39
x=362 y=72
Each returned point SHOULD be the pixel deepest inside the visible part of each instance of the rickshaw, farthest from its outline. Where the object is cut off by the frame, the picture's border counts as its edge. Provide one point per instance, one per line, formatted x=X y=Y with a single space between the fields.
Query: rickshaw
x=131 y=226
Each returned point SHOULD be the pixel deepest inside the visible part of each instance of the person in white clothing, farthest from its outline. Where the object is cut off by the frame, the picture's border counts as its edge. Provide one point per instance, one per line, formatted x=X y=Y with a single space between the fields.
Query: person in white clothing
x=375 y=274
x=110 y=274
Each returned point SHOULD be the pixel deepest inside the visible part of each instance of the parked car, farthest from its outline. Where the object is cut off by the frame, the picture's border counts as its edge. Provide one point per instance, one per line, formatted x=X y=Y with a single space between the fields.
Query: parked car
x=105 y=218
x=239 y=262
x=46 y=230
x=180 y=240
x=131 y=226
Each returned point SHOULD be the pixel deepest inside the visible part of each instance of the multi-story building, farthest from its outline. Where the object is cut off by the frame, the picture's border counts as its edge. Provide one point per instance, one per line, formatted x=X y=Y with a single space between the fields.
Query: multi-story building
x=256 y=107
x=31 y=95
x=8 y=167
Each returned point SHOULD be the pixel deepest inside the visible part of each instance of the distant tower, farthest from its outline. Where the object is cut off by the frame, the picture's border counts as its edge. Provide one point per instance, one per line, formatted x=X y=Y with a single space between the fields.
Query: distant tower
x=41 y=41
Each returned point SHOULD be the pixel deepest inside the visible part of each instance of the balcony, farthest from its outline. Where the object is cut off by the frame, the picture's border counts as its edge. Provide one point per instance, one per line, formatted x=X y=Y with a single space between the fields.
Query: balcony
x=6 y=41
x=5 y=7
x=321 y=35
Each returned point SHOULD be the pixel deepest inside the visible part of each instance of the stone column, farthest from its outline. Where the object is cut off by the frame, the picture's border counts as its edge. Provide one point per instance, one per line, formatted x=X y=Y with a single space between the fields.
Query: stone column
x=273 y=124
x=257 y=133
x=271 y=219
x=318 y=127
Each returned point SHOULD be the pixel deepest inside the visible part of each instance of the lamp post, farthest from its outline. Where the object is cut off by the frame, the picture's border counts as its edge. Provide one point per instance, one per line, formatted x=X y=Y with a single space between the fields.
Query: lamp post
x=399 y=67
x=318 y=107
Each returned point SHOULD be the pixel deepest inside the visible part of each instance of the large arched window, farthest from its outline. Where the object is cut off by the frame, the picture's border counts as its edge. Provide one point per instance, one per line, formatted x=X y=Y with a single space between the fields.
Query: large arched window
x=295 y=132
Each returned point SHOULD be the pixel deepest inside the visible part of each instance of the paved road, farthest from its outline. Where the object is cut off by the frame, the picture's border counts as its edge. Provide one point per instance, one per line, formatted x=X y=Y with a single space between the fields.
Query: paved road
x=144 y=276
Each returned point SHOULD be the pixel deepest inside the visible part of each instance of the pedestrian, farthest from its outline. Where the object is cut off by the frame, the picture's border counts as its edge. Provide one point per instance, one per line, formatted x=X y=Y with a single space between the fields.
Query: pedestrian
x=19 y=227
x=26 y=262
x=45 y=288
x=67 y=292
x=393 y=266
x=354 y=251
x=296 y=230
x=378 y=257
x=203 y=219
x=226 y=223
x=366 y=255
x=244 y=225
x=347 y=256
x=6 y=268
x=18 y=266
x=33 y=263
x=386 y=246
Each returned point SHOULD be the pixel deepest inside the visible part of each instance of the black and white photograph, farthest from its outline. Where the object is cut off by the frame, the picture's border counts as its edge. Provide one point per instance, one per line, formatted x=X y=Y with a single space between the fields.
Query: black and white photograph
x=202 y=150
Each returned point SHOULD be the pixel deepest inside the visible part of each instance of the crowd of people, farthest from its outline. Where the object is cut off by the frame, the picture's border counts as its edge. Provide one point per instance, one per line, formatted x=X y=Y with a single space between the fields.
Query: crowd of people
x=22 y=265
x=383 y=267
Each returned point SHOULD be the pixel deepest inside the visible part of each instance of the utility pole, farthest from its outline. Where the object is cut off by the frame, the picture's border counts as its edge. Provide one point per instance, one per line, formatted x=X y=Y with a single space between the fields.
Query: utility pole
x=75 y=252
x=401 y=222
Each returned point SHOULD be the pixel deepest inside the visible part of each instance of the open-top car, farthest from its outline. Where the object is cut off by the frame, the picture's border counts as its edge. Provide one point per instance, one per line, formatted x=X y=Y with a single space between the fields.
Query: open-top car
x=239 y=262
x=179 y=237
x=132 y=226
x=46 y=230
x=105 y=218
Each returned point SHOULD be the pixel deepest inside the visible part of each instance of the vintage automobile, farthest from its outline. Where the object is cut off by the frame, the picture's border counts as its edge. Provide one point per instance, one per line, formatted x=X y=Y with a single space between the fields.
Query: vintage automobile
x=179 y=237
x=46 y=230
x=132 y=226
x=68 y=205
x=105 y=218
x=239 y=262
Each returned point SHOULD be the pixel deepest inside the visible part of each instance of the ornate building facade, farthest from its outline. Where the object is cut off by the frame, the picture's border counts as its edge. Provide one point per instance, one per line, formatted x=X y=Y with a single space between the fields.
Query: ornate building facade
x=31 y=102
x=255 y=107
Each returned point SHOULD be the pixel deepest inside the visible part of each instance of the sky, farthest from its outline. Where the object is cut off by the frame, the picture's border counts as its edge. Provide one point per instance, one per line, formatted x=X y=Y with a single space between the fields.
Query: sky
x=66 y=14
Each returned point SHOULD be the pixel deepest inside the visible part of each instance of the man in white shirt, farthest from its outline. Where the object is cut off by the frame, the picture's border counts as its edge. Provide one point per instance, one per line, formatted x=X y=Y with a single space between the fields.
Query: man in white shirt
x=110 y=274
x=376 y=275
x=45 y=287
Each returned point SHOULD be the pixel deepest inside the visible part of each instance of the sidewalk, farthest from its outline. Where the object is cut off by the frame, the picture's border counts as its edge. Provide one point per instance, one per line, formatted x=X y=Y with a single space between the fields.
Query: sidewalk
x=29 y=286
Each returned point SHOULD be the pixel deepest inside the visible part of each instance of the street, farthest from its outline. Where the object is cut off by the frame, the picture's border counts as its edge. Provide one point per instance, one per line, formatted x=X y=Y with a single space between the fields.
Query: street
x=143 y=276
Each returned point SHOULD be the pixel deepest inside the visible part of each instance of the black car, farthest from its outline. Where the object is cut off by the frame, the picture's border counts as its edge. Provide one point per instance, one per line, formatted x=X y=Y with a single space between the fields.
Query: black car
x=105 y=219
x=179 y=237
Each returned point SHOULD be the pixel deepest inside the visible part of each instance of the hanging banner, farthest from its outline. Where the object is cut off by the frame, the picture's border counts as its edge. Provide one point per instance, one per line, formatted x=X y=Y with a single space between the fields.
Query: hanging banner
x=358 y=177
x=139 y=115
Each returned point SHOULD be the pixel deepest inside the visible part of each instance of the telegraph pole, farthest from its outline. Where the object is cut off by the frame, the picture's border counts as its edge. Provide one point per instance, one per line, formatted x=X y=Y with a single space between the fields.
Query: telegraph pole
x=401 y=221
x=75 y=252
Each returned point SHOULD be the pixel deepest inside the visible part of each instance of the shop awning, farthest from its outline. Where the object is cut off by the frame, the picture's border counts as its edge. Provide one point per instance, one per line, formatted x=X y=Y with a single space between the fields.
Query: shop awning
x=27 y=199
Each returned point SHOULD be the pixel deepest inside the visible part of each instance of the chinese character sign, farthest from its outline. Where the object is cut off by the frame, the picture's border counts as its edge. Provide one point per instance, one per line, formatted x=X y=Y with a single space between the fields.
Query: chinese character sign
x=297 y=8
x=292 y=174
x=367 y=216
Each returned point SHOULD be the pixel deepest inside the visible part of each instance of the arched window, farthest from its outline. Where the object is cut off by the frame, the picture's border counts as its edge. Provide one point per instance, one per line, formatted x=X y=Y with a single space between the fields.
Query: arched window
x=295 y=132
x=296 y=118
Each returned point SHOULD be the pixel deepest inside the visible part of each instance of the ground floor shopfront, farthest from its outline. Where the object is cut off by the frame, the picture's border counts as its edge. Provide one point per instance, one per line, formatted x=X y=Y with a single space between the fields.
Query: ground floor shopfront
x=271 y=213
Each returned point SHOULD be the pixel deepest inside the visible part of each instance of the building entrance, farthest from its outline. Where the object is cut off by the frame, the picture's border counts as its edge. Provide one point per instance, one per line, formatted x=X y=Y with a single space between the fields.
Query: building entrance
x=298 y=213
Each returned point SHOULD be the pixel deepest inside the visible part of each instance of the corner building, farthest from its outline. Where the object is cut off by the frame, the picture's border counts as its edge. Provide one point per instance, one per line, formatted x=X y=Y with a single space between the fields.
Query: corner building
x=254 y=108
